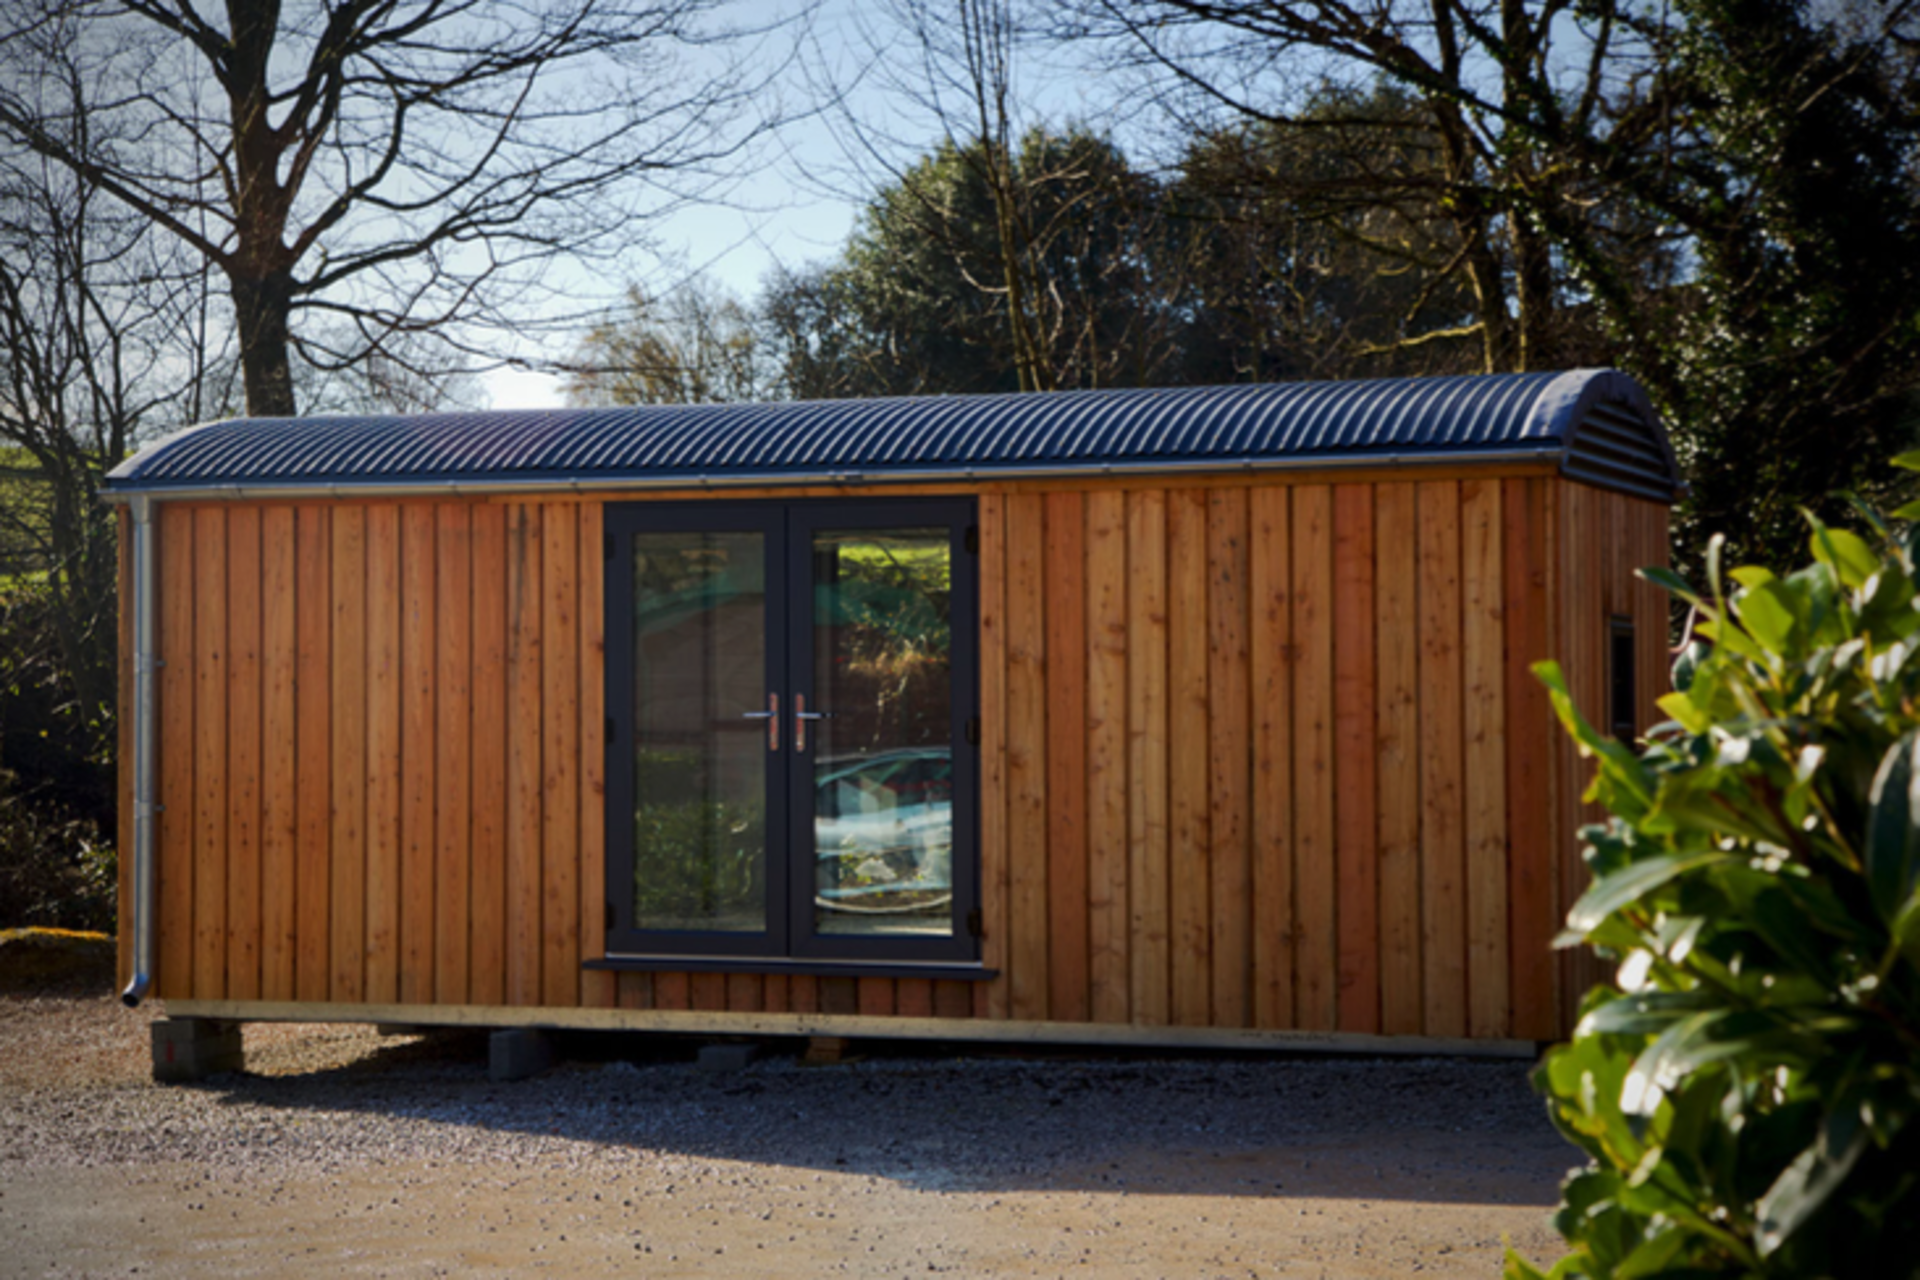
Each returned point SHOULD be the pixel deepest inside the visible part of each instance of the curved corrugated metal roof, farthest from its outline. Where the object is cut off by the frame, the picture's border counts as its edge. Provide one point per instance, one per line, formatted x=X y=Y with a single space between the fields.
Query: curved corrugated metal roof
x=1597 y=423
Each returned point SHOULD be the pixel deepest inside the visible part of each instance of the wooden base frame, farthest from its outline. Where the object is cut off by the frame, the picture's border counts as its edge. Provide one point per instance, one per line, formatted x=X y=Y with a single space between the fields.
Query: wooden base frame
x=855 y=1026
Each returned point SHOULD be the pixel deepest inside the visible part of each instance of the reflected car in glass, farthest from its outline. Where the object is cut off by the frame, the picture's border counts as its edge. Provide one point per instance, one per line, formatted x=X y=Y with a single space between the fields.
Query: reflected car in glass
x=883 y=831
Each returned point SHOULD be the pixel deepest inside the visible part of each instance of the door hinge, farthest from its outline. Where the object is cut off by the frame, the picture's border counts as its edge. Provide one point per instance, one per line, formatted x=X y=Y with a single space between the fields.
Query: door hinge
x=607 y=541
x=610 y=923
x=973 y=539
x=976 y=923
x=610 y=731
x=973 y=731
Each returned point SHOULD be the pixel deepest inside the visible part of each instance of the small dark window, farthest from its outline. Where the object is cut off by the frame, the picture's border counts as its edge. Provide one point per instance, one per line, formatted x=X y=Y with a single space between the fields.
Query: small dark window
x=1621 y=682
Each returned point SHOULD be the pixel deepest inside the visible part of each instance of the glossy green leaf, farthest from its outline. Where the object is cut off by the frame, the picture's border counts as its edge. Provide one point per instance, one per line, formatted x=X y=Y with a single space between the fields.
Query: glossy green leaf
x=1893 y=833
x=1628 y=885
x=1767 y=612
x=1722 y=632
x=1847 y=552
x=1645 y=1014
x=1757 y=891
x=1669 y=581
x=1516 y=1267
x=1618 y=763
x=1805 y=1188
x=1697 y=1043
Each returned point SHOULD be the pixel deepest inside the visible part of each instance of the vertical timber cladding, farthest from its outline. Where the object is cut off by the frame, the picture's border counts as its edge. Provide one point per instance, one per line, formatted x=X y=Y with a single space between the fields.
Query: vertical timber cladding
x=1253 y=755
x=1277 y=748
x=1601 y=539
x=380 y=752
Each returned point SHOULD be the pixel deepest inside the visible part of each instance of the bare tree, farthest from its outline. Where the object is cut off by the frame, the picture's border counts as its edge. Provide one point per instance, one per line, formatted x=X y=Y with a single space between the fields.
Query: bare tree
x=103 y=328
x=1487 y=73
x=399 y=167
x=1727 y=189
x=697 y=345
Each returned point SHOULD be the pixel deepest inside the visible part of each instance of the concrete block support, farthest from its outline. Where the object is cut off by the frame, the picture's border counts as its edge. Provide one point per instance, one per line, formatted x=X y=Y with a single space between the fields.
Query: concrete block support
x=518 y=1052
x=727 y=1057
x=190 y=1049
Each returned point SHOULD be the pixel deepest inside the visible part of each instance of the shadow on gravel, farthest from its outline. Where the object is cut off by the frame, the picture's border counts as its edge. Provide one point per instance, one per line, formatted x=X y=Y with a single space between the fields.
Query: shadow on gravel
x=1444 y=1131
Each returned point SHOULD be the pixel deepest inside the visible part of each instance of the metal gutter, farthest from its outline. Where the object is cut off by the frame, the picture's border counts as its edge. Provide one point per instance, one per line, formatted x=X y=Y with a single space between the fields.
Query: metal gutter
x=299 y=490
x=145 y=701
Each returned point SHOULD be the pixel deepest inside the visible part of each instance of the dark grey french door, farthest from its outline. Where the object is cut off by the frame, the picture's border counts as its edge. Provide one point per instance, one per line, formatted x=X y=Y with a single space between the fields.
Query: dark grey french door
x=791 y=694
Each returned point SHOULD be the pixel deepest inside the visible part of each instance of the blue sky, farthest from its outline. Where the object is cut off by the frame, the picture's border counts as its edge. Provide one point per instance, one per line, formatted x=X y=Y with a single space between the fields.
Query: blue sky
x=796 y=200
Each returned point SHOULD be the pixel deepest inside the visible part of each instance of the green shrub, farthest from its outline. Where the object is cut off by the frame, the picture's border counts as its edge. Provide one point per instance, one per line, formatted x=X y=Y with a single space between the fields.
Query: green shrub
x=1747 y=1090
x=55 y=872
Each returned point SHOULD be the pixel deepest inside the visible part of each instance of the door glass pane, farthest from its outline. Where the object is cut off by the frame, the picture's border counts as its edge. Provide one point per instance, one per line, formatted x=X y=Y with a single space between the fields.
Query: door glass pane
x=882 y=757
x=700 y=767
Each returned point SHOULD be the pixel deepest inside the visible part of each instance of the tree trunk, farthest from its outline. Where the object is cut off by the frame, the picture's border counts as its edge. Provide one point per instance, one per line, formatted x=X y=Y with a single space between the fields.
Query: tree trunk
x=1532 y=254
x=1533 y=291
x=261 y=307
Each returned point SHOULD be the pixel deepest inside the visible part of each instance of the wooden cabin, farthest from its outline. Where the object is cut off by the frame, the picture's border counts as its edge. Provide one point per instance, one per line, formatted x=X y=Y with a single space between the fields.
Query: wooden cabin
x=1168 y=717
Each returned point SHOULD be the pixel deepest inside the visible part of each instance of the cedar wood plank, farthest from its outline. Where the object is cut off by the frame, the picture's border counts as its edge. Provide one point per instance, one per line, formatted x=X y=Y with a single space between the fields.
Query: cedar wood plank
x=1063 y=597
x=838 y=995
x=1558 y=772
x=210 y=754
x=1355 y=808
x=242 y=588
x=382 y=760
x=597 y=989
x=747 y=992
x=487 y=882
x=1397 y=757
x=1148 y=837
x=524 y=741
x=1190 y=842
x=173 y=951
x=1316 y=960
x=1270 y=564
x=993 y=998
x=1529 y=760
x=419 y=670
x=313 y=730
x=874 y=997
x=1108 y=926
x=560 y=755
x=913 y=997
x=1588 y=679
x=1574 y=581
x=348 y=771
x=453 y=594
x=672 y=991
x=634 y=991
x=708 y=991
x=952 y=999
x=1026 y=718
x=1229 y=762
x=1442 y=852
x=1483 y=646
x=280 y=764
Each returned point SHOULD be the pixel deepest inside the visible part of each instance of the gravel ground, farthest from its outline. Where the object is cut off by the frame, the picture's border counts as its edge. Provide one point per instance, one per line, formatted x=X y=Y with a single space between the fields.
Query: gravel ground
x=340 y=1151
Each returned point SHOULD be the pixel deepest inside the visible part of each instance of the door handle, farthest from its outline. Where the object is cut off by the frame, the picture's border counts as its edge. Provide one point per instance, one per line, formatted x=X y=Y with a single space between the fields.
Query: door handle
x=800 y=717
x=772 y=716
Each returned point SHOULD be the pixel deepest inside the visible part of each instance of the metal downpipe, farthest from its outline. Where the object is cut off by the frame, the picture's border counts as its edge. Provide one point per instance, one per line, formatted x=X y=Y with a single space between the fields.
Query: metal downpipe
x=145 y=677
